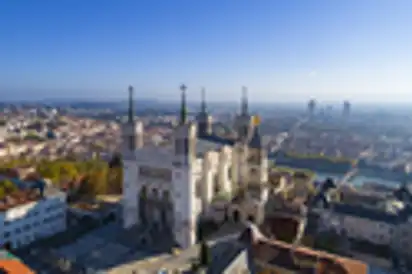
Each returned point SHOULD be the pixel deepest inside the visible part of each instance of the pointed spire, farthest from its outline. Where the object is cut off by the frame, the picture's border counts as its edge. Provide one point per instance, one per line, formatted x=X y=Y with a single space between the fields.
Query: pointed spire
x=203 y=103
x=183 y=110
x=131 y=108
x=244 y=103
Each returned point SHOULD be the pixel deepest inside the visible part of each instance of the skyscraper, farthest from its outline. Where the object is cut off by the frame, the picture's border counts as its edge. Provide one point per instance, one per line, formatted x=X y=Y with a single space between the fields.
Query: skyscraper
x=311 y=107
x=346 y=108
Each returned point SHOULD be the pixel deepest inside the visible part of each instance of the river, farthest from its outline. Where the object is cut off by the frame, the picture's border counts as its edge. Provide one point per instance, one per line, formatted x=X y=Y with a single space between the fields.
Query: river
x=356 y=181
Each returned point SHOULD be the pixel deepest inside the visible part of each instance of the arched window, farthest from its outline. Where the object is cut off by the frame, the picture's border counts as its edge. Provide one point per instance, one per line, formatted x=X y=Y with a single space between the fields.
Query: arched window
x=236 y=216
x=216 y=186
x=229 y=173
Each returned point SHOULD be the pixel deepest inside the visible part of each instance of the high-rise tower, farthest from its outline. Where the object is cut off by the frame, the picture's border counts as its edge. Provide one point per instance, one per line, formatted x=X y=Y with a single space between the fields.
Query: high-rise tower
x=311 y=107
x=346 y=108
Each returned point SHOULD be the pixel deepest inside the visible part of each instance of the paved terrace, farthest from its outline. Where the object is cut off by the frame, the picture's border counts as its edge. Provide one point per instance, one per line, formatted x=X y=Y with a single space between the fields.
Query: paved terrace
x=104 y=248
x=223 y=253
x=100 y=250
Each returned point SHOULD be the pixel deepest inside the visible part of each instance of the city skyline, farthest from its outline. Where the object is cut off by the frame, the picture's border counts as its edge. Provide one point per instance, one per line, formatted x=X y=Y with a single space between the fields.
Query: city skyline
x=283 y=51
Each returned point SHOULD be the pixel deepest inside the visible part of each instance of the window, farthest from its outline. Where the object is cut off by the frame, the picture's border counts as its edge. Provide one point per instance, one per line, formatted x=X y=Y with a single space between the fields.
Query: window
x=177 y=147
x=229 y=173
x=186 y=147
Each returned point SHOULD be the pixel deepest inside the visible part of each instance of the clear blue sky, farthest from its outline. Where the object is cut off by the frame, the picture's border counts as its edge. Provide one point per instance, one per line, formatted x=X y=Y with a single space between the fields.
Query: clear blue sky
x=282 y=50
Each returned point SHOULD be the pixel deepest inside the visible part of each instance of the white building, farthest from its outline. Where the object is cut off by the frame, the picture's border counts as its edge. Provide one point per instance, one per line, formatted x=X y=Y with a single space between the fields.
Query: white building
x=23 y=221
x=170 y=187
x=387 y=223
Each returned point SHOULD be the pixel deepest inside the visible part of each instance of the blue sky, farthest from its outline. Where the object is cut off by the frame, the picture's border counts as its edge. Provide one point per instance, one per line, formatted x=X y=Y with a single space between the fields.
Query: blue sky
x=282 y=50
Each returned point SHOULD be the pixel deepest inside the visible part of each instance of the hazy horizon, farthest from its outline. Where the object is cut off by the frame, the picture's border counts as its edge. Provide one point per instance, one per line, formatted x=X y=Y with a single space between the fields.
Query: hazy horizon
x=283 y=51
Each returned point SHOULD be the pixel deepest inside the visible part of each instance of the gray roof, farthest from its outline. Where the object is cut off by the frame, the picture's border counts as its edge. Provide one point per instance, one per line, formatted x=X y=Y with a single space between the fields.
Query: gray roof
x=371 y=213
x=256 y=140
x=361 y=210
x=217 y=140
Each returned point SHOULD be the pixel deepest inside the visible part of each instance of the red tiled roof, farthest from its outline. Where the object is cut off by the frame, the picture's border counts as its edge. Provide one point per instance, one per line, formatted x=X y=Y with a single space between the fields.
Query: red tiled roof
x=15 y=267
x=280 y=254
x=18 y=198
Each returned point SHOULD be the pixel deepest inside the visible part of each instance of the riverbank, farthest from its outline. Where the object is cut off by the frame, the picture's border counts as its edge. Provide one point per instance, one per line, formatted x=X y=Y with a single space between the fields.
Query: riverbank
x=357 y=181
x=340 y=167
x=336 y=170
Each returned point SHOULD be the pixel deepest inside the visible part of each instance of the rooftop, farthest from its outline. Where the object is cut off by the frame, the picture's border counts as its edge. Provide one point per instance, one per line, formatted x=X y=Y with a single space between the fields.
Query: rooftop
x=12 y=266
x=26 y=191
x=17 y=198
x=280 y=255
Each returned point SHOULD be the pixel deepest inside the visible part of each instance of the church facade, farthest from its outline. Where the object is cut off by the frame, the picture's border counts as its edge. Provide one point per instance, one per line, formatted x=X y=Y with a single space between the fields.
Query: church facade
x=169 y=188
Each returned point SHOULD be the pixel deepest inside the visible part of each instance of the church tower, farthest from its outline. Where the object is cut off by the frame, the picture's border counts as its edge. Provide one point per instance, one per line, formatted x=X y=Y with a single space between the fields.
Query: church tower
x=185 y=138
x=243 y=123
x=132 y=130
x=132 y=139
x=258 y=161
x=204 y=120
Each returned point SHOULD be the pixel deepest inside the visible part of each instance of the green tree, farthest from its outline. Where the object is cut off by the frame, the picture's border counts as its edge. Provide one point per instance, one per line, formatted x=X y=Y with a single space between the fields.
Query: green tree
x=115 y=180
x=328 y=242
x=97 y=181
x=68 y=171
x=8 y=186
x=2 y=192
x=49 y=170
x=204 y=254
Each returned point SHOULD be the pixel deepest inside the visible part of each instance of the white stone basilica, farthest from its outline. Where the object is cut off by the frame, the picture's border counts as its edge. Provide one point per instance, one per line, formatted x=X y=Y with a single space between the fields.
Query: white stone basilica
x=171 y=187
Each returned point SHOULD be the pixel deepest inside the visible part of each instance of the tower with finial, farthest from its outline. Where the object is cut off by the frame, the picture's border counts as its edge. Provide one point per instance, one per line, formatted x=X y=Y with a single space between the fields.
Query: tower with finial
x=185 y=133
x=185 y=140
x=132 y=130
x=244 y=121
x=204 y=120
x=132 y=141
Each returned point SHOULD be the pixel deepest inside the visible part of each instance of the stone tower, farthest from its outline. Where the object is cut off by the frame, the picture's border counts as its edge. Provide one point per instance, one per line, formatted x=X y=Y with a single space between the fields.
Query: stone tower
x=244 y=123
x=185 y=137
x=204 y=120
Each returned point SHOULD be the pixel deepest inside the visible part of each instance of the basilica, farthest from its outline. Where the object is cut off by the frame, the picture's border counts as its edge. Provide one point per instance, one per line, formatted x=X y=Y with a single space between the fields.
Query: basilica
x=171 y=187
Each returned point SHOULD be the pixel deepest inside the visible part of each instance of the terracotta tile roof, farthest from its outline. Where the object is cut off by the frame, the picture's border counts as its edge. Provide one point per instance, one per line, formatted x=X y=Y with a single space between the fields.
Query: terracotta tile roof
x=15 y=267
x=19 y=197
x=279 y=254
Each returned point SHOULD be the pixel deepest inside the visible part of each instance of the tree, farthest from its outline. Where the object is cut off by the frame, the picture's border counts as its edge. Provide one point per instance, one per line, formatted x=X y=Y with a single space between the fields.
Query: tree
x=328 y=241
x=50 y=170
x=2 y=193
x=116 y=161
x=97 y=180
x=204 y=256
x=67 y=171
x=115 y=180
x=8 y=186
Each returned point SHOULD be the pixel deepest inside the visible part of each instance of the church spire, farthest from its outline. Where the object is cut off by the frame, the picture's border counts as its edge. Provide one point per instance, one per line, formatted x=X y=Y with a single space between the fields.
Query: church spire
x=203 y=103
x=183 y=110
x=131 y=108
x=244 y=102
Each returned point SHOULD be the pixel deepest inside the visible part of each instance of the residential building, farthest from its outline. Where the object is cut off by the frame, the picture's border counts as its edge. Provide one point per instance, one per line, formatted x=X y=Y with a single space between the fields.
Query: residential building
x=30 y=214
x=386 y=224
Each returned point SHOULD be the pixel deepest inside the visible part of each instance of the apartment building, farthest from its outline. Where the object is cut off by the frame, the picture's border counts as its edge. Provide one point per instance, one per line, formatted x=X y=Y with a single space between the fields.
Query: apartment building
x=26 y=216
